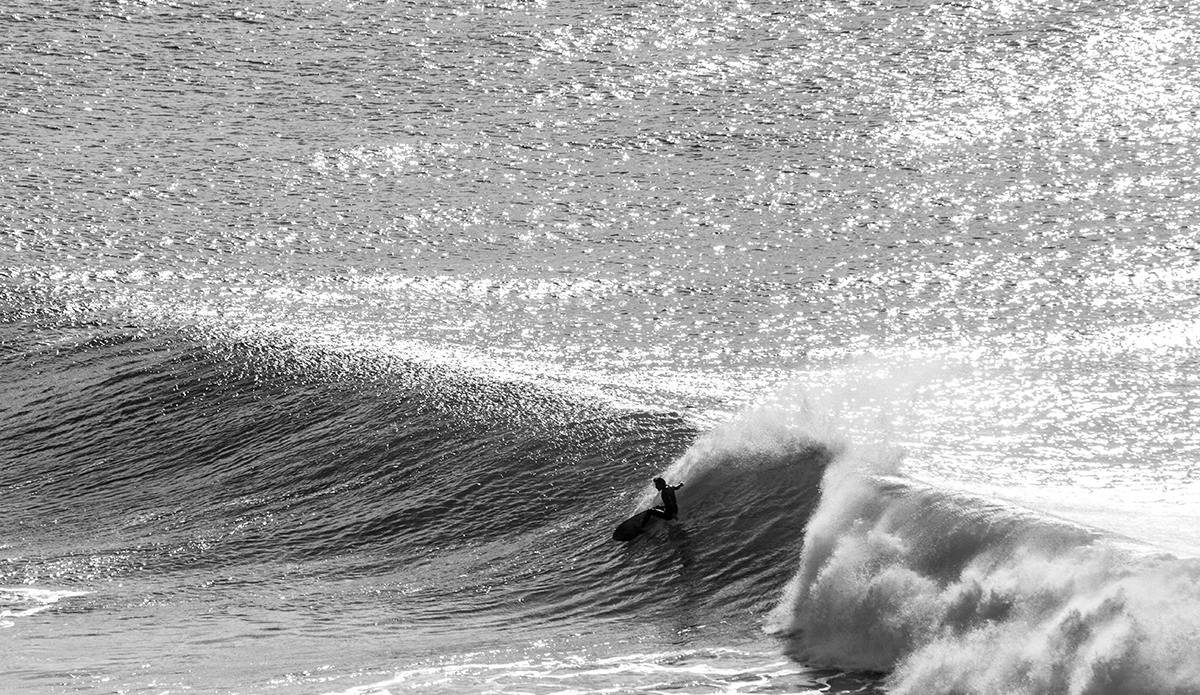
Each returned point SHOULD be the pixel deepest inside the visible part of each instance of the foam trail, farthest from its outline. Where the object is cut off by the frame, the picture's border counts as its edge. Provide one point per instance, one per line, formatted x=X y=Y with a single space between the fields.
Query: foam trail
x=22 y=602
x=954 y=594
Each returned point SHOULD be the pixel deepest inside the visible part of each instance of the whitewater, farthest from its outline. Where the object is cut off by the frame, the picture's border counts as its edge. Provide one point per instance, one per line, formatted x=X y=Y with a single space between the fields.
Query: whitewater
x=336 y=338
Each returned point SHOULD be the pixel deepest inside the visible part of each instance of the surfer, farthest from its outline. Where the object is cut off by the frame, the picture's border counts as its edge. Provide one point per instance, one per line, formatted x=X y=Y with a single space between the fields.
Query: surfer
x=635 y=525
x=670 y=508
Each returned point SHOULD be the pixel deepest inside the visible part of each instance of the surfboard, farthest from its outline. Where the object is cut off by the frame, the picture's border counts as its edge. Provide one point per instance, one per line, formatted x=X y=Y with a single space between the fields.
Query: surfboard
x=634 y=526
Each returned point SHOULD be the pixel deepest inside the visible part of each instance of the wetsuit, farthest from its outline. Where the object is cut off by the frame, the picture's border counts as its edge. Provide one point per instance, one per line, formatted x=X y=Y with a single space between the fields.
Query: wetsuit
x=670 y=508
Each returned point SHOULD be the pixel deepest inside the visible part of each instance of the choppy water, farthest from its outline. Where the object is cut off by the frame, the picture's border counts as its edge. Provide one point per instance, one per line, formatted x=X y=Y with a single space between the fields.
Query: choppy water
x=337 y=337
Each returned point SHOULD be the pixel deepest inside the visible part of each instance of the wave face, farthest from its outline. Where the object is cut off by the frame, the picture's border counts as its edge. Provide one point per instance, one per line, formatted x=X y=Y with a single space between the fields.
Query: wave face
x=136 y=455
x=259 y=429
x=955 y=594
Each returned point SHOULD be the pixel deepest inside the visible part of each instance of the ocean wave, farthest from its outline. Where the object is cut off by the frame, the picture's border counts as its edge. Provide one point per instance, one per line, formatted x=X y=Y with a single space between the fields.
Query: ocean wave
x=457 y=495
x=183 y=448
x=156 y=452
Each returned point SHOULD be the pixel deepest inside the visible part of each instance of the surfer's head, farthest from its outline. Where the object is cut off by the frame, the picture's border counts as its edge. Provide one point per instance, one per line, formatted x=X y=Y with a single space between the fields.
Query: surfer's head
x=660 y=483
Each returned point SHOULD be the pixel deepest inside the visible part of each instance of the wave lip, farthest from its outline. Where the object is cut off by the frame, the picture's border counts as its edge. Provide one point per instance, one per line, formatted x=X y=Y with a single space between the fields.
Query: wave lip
x=954 y=594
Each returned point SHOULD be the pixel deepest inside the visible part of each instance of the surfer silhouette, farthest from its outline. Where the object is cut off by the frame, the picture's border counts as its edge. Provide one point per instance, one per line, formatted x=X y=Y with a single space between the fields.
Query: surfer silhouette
x=637 y=524
x=670 y=508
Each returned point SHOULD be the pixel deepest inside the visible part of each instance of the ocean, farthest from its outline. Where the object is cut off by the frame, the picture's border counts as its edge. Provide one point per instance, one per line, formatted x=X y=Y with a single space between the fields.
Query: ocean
x=337 y=337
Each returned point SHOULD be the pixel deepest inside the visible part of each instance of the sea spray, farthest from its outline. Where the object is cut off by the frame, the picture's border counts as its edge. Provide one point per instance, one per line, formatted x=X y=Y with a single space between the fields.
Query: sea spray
x=739 y=461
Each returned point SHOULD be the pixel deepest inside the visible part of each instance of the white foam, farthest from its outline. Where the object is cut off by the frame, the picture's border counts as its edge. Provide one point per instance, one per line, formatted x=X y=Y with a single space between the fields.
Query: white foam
x=952 y=594
x=22 y=602
x=706 y=670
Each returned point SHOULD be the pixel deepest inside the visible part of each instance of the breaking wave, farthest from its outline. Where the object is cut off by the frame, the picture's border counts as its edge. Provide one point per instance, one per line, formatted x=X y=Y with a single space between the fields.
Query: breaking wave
x=951 y=593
